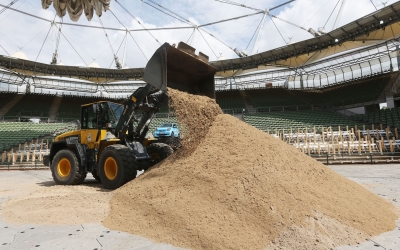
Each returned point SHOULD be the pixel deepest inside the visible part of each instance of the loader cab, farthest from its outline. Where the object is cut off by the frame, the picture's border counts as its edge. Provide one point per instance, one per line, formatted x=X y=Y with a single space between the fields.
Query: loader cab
x=101 y=115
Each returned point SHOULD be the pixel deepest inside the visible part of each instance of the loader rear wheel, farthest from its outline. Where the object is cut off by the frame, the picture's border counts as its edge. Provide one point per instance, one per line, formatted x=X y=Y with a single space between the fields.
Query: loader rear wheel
x=65 y=168
x=158 y=152
x=116 y=166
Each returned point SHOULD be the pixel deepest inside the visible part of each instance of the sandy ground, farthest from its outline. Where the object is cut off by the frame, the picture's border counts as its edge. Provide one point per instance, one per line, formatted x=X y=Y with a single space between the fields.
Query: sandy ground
x=383 y=180
x=29 y=185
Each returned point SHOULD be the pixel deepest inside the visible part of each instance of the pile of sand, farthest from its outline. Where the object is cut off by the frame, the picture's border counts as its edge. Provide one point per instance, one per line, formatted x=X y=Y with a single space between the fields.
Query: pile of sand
x=234 y=187
x=195 y=116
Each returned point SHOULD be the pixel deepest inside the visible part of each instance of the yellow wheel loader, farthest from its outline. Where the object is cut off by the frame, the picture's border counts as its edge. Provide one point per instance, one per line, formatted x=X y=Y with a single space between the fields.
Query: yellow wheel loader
x=111 y=142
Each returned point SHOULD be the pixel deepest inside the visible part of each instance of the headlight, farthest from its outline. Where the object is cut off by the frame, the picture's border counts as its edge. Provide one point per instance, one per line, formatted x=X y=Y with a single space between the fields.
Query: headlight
x=169 y=129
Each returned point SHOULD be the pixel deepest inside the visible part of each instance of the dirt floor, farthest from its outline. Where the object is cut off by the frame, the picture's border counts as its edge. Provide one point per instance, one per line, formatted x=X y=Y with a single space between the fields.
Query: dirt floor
x=383 y=180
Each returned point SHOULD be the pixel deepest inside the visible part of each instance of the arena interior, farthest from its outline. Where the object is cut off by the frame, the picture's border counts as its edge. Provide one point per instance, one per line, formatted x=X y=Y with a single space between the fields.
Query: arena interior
x=324 y=96
x=334 y=97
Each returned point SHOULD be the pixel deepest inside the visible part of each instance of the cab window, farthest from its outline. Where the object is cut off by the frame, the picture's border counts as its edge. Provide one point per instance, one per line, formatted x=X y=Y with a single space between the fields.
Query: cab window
x=87 y=117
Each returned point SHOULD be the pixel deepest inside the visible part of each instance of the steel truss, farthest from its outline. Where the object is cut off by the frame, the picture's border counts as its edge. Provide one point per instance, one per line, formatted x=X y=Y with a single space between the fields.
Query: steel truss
x=345 y=67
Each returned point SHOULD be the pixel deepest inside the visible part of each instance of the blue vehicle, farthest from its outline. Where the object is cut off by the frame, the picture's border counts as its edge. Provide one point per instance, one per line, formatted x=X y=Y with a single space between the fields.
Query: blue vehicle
x=167 y=130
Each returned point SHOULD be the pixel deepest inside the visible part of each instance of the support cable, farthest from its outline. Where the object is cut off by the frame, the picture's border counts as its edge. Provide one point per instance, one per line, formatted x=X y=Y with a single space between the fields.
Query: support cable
x=20 y=3
x=118 y=64
x=288 y=22
x=90 y=26
x=7 y=6
x=237 y=4
x=249 y=26
x=244 y=6
x=182 y=19
x=12 y=40
x=127 y=30
x=278 y=30
x=125 y=37
x=190 y=36
x=339 y=15
x=194 y=33
x=258 y=34
x=170 y=11
x=219 y=40
x=129 y=13
x=33 y=38
x=45 y=38
x=331 y=13
x=207 y=43
x=4 y=50
x=373 y=5
x=72 y=46
x=260 y=11
x=231 y=19
x=280 y=5
x=255 y=32
x=28 y=14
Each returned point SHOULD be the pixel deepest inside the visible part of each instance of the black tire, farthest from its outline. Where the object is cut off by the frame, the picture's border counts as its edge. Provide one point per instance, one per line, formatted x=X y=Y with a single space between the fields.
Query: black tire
x=172 y=135
x=96 y=175
x=158 y=152
x=65 y=168
x=116 y=166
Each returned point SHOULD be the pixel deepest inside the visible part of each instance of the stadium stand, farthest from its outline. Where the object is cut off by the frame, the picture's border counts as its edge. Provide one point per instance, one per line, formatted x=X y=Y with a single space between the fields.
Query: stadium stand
x=297 y=119
x=230 y=101
x=354 y=92
x=70 y=106
x=31 y=105
x=386 y=117
x=350 y=93
x=315 y=130
x=360 y=91
x=5 y=97
x=273 y=97
x=14 y=133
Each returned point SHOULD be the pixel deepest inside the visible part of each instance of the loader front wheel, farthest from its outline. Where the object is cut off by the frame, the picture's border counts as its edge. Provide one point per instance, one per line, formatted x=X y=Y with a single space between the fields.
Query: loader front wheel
x=116 y=166
x=159 y=151
x=95 y=175
x=65 y=168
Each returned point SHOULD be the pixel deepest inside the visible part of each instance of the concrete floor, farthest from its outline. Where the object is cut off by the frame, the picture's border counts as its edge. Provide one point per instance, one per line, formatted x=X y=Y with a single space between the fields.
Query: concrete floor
x=384 y=180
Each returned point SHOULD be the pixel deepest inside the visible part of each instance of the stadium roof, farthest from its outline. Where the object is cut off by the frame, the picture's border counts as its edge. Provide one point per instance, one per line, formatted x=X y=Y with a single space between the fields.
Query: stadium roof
x=375 y=28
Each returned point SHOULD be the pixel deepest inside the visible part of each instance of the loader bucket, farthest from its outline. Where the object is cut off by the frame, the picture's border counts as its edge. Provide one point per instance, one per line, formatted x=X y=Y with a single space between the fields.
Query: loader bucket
x=181 y=69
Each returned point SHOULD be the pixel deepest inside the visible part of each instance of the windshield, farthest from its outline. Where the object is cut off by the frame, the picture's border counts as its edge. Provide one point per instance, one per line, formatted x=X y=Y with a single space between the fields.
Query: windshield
x=166 y=125
x=115 y=111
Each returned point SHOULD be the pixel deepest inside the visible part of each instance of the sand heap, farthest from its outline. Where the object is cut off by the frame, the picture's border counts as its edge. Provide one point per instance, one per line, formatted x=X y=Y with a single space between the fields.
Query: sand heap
x=233 y=186
x=195 y=116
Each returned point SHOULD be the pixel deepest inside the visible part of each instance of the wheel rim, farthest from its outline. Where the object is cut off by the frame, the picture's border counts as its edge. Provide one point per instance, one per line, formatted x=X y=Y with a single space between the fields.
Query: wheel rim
x=64 y=167
x=110 y=168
